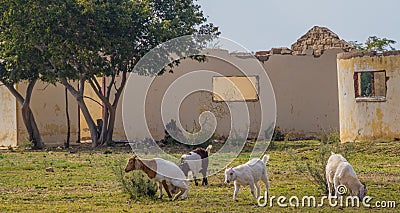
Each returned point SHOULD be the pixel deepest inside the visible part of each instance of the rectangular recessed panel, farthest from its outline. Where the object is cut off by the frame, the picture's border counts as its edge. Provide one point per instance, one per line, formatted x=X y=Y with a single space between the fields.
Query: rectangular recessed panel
x=235 y=88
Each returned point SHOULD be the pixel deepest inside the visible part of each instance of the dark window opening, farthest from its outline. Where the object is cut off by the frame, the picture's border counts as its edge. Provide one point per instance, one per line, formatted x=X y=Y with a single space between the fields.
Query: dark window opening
x=370 y=84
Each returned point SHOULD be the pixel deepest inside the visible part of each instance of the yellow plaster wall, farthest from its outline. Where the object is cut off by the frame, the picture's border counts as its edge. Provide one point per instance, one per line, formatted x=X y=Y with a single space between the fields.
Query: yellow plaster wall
x=48 y=106
x=8 y=121
x=361 y=121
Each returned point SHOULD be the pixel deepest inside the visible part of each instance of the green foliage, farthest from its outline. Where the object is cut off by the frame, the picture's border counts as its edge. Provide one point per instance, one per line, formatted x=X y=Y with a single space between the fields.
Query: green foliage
x=366 y=84
x=197 y=140
x=332 y=136
x=136 y=184
x=374 y=43
x=23 y=27
x=89 y=185
x=71 y=38
x=278 y=135
x=27 y=145
x=68 y=40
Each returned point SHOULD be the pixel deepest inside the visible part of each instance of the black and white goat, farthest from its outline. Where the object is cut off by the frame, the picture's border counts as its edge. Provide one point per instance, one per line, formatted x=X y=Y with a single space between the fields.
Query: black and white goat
x=196 y=161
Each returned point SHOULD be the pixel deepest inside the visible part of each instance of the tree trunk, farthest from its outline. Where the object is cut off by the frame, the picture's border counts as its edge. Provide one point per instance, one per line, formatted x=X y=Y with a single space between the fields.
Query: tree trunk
x=104 y=130
x=27 y=114
x=94 y=134
x=111 y=123
x=33 y=130
x=109 y=109
x=68 y=120
x=78 y=95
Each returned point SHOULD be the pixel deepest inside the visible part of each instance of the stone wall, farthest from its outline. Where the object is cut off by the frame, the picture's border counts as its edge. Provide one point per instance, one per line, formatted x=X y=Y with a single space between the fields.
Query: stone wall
x=314 y=42
x=319 y=39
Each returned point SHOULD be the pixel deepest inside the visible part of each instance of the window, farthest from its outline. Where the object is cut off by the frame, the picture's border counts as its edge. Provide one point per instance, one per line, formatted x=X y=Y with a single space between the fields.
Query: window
x=235 y=88
x=370 y=85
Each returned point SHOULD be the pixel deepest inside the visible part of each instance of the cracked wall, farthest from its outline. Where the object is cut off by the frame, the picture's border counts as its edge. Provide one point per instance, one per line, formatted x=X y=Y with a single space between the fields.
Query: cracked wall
x=369 y=118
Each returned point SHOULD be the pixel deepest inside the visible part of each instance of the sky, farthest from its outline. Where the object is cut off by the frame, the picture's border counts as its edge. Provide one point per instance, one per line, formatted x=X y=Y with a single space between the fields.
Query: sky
x=263 y=24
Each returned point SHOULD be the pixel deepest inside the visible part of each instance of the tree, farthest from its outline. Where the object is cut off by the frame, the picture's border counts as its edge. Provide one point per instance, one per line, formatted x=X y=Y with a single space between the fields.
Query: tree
x=374 y=43
x=84 y=40
x=21 y=56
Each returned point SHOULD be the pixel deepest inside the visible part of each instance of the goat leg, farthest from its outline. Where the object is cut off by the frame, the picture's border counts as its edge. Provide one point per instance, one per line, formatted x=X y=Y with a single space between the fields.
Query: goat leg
x=235 y=193
x=160 y=190
x=164 y=183
x=205 y=181
x=252 y=190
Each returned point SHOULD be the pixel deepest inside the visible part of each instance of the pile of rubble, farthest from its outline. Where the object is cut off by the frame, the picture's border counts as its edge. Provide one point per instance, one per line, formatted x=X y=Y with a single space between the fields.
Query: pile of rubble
x=314 y=42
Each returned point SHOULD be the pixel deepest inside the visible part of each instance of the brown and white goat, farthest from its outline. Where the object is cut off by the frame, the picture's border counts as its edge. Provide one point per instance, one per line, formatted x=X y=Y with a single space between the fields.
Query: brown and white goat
x=165 y=173
x=196 y=161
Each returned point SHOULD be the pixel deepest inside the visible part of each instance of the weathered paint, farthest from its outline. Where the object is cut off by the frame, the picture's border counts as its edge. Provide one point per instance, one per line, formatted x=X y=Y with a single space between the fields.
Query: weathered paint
x=306 y=92
x=8 y=124
x=235 y=88
x=194 y=103
x=368 y=120
x=305 y=89
x=48 y=106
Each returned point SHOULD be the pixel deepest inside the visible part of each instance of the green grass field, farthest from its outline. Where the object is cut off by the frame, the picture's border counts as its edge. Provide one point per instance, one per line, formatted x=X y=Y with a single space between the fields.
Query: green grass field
x=83 y=181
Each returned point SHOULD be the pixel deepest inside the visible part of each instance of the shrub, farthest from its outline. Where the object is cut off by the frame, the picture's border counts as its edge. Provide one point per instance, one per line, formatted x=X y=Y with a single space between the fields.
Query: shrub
x=331 y=136
x=191 y=143
x=277 y=135
x=135 y=183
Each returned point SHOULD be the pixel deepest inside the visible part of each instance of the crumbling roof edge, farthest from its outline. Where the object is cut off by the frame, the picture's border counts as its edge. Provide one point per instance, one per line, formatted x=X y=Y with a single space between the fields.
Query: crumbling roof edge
x=359 y=54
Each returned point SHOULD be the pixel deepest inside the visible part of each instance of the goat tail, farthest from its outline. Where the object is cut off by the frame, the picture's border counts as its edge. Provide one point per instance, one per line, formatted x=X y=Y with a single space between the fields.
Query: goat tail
x=332 y=153
x=209 y=147
x=265 y=158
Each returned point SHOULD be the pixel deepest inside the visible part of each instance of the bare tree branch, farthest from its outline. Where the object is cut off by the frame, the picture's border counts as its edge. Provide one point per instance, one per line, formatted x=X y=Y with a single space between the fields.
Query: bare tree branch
x=93 y=100
x=98 y=93
x=45 y=87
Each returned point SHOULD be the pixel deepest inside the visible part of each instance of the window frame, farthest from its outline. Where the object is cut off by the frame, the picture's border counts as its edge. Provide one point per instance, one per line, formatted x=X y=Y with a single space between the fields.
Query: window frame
x=357 y=87
x=257 y=89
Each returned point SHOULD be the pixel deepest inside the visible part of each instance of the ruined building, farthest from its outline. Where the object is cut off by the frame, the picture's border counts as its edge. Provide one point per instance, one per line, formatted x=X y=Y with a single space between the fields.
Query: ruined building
x=310 y=98
x=369 y=95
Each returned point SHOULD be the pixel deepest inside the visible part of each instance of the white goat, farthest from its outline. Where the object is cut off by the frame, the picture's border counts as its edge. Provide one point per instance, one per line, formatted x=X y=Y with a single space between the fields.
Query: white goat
x=249 y=173
x=340 y=172
x=196 y=161
x=165 y=173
